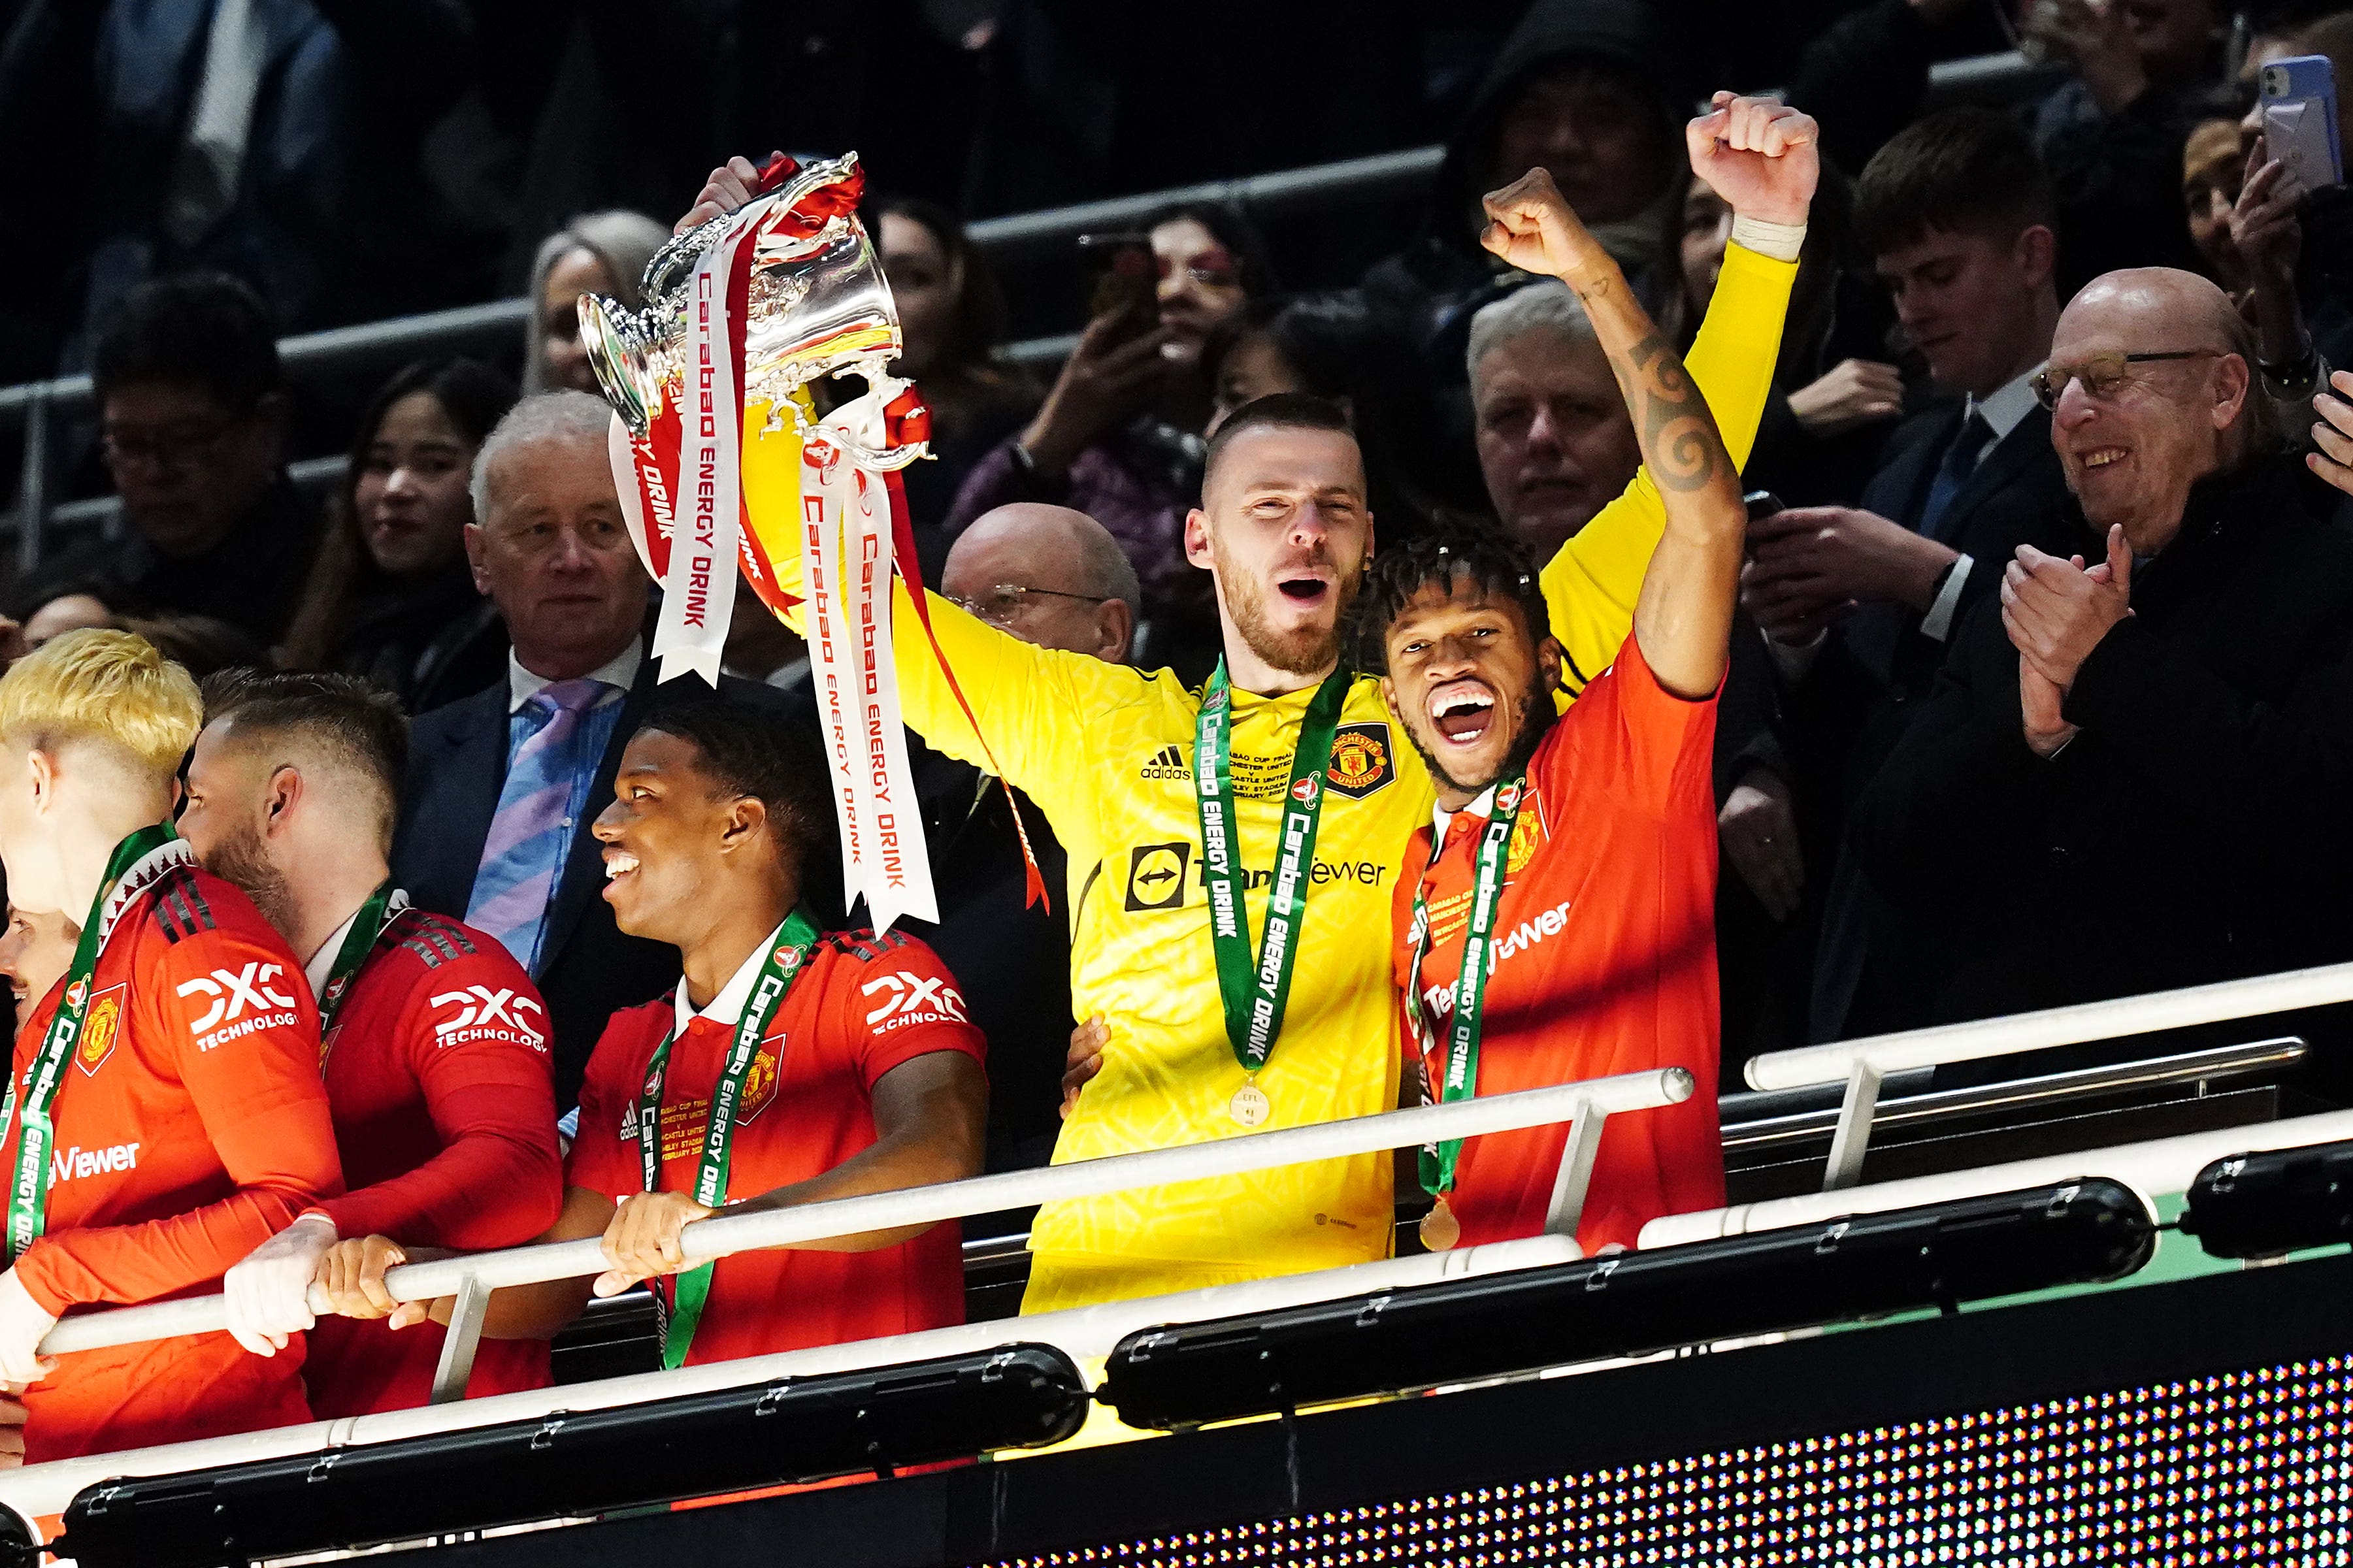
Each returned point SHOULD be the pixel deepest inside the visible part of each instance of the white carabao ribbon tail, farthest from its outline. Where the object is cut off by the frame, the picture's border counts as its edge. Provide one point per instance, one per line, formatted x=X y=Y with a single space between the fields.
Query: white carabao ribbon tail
x=632 y=486
x=899 y=881
x=826 y=479
x=698 y=589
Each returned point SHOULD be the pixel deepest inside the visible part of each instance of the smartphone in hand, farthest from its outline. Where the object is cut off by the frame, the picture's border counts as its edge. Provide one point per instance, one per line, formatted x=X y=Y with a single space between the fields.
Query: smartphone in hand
x=1123 y=280
x=2298 y=100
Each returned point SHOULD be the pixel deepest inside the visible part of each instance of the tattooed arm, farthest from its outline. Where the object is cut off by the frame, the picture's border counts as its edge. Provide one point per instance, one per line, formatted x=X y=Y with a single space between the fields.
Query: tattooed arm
x=1684 y=618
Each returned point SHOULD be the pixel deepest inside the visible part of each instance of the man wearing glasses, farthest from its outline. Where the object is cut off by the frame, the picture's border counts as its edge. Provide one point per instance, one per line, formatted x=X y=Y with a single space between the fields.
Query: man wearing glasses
x=192 y=418
x=2120 y=784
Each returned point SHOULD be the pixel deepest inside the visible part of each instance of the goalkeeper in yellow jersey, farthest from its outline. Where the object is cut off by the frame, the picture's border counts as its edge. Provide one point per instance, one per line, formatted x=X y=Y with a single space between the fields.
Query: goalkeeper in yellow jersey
x=1233 y=848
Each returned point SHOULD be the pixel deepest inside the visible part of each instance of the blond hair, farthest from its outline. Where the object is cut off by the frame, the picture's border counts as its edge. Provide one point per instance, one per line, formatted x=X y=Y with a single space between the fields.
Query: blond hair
x=100 y=685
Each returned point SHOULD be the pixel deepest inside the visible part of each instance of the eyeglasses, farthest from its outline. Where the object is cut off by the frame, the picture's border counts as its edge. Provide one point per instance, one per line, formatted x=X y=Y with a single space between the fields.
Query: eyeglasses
x=2101 y=373
x=171 y=452
x=1001 y=603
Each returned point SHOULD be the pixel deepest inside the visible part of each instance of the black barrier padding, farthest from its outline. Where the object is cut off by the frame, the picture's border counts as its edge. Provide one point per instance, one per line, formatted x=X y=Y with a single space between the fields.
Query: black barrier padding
x=1461 y=1331
x=585 y=1462
x=2282 y=1200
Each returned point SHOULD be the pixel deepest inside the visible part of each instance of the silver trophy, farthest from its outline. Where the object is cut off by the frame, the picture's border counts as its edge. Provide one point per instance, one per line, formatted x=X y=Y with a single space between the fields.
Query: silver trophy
x=818 y=306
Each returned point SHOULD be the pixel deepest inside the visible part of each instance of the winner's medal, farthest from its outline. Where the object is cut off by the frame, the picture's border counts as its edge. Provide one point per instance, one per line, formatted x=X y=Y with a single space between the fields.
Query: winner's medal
x=1441 y=1228
x=1255 y=993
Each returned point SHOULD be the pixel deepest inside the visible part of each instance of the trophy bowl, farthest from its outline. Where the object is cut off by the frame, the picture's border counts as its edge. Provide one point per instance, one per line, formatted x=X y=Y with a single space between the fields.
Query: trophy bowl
x=816 y=305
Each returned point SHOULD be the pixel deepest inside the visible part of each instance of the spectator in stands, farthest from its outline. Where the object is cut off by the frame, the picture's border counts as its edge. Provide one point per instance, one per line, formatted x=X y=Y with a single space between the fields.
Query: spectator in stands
x=2213 y=171
x=1860 y=602
x=1056 y=578
x=2112 y=136
x=1119 y=436
x=2105 y=794
x=952 y=320
x=1834 y=394
x=598 y=253
x=191 y=417
x=1868 y=69
x=496 y=809
x=1591 y=91
x=2296 y=244
x=201 y=645
x=69 y=612
x=392 y=598
x=719 y=815
x=1336 y=346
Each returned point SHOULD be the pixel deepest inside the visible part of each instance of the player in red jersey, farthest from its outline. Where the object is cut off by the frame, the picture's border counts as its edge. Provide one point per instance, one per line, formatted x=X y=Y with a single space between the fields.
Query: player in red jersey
x=1565 y=928
x=820 y=1066
x=165 y=1115
x=434 y=1040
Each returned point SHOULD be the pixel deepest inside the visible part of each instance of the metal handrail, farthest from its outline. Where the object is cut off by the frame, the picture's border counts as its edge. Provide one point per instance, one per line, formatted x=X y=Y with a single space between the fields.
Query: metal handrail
x=1863 y=1064
x=472 y=1278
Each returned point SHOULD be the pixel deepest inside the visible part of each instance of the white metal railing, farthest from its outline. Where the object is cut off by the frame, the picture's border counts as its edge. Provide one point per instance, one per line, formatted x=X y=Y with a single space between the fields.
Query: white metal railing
x=2154 y=1169
x=1585 y=1106
x=1861 y=1064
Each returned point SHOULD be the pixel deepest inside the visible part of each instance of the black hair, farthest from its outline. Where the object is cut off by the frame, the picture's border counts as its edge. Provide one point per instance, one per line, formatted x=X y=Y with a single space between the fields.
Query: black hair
x=1231 y=227
x=745 y=751
x=1276 y=411
x=359 y=723
x=1961 y=168
x=194 y=329
x=979 y=324
x=1452 y=554
x=471 y=394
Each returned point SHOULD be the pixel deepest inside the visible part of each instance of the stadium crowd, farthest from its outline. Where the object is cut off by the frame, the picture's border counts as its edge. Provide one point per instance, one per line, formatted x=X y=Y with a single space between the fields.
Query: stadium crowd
x=1744 y=571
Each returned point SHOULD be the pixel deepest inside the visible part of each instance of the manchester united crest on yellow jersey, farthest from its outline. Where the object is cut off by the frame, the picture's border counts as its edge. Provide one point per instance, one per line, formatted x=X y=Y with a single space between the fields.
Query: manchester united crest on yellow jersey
x=1360 y=760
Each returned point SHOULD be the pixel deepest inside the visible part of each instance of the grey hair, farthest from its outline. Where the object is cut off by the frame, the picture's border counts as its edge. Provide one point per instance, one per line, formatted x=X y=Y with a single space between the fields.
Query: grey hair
x=622 y=242
x=1546 y=306
x=1106 y=569
x=564 y=415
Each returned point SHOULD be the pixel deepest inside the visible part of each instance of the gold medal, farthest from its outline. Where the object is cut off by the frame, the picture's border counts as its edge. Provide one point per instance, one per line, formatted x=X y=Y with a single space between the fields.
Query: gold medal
x=1250 y=1106
x=1440 y=1229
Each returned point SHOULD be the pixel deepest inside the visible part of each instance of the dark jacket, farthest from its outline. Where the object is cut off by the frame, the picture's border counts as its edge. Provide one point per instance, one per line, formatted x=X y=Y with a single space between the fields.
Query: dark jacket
x=427 y=643
x=252 y=579
x=588 y=970
x=1435 y=285
x=2161 y=848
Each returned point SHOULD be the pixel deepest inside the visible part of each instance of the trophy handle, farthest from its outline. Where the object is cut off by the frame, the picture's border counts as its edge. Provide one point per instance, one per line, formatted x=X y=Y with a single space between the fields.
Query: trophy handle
x=615 y=339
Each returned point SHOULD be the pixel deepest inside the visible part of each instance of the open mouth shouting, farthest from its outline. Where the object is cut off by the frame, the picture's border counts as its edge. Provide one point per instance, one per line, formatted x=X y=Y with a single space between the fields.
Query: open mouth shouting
x=1305 y=589
x=1462 y=712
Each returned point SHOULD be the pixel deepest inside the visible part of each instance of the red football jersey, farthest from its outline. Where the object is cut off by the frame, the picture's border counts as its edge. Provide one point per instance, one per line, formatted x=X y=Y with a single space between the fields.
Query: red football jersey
x=191 y=1126
x=438 y=1075
x=860 y=1006
x=1603 y=961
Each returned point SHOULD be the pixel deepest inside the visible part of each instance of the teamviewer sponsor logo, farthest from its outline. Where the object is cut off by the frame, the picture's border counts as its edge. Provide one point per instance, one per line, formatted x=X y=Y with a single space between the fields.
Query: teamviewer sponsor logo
x=1509 y=944
x=72 y=1164
x=231 y=995
x=485 y=1013
x=1155 y=876
x=1168 y=764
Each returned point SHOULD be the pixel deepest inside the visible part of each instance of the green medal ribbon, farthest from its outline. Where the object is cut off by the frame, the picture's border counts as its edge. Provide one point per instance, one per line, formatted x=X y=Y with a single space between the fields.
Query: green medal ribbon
x=137 y=863
x=1255 y=991
x=789 y=947
x=382 y=908
x=1461 y=1079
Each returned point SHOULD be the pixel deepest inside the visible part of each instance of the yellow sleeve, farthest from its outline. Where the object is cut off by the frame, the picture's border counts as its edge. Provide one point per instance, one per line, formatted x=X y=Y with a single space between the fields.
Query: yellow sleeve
x=1591 y=584
x=1034 y=704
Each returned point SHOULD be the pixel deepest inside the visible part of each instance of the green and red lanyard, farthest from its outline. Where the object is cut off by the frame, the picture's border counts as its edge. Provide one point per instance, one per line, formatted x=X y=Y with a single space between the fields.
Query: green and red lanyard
x=137 y=864
x=788 y=949
x=367 y=928
x=1255 y=990
x=1460 y=1079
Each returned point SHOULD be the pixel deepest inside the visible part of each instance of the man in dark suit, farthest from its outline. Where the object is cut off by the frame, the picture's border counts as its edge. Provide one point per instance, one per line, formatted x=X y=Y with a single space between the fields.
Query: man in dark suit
x=1859 y=603
x=2127 y=777
x=502 y=785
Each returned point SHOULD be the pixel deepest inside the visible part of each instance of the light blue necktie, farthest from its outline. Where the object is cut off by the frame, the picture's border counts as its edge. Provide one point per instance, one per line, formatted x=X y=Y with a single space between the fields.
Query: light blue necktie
x=530 y=833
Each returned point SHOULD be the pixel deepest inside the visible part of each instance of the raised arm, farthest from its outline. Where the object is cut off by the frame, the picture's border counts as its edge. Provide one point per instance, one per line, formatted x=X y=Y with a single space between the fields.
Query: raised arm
x=1760 y=155
x=1684 y=618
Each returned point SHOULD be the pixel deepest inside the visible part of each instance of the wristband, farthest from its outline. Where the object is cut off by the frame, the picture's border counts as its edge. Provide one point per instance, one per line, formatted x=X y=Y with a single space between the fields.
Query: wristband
x=1780 y=241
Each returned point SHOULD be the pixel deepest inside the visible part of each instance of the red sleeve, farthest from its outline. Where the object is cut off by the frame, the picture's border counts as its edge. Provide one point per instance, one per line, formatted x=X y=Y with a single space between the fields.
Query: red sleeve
x=601 y=1161
x=901 y=1003
x=474 y=1034
x=1653 y=750
x=240 y=1024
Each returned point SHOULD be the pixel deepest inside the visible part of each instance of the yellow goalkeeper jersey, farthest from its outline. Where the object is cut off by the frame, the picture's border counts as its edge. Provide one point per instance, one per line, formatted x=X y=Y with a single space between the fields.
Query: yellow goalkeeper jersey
x=1106 y=752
